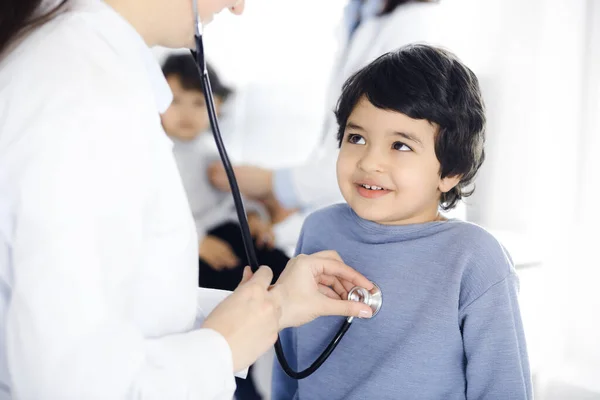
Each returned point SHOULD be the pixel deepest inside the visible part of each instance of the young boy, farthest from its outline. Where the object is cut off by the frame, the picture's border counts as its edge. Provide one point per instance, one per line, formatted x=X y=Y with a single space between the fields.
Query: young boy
x=411 y=135
x=222 y=256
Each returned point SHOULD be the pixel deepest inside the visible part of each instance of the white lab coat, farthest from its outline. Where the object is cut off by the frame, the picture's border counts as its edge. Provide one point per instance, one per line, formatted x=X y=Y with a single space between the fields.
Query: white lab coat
x=98 y=249
x=315 y=182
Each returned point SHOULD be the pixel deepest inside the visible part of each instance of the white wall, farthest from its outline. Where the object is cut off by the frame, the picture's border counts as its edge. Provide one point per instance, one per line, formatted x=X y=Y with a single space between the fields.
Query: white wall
x=577 y=273
x=533 y=91
x=542 y=171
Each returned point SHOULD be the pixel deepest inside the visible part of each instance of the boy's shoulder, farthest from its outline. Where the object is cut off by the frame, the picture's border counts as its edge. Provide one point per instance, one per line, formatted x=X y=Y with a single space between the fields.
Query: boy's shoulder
x=480 y=241
x=474 y=237
x=484 y=260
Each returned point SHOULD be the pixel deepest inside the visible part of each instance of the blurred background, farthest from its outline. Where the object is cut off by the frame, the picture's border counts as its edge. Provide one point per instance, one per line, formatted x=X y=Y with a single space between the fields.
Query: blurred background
x=538 y=62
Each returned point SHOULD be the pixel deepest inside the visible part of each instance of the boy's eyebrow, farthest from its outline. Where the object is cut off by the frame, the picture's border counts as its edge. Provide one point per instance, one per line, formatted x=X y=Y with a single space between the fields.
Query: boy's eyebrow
x=409 y=136
x=352 y=125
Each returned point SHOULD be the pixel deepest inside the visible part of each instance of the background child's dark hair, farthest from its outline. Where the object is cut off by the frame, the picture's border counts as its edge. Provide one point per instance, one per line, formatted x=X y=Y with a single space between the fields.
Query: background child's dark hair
x=425 y=82
x=184 y=67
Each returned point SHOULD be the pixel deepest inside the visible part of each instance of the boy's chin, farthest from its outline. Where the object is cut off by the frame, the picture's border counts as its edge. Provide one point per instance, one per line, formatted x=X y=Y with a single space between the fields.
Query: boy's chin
x=373 y=214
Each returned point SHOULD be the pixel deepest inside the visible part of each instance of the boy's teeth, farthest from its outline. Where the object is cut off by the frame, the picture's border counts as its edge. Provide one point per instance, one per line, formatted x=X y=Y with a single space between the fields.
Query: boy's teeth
x=372 y=187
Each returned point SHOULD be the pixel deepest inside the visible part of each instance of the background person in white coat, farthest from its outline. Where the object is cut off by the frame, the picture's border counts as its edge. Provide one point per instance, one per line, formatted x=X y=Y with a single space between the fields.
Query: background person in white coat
x=98 y=249
x=370 y=28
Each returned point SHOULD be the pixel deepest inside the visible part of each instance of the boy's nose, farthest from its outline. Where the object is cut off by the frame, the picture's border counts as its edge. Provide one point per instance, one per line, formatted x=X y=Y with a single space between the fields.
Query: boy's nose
x=372 y=161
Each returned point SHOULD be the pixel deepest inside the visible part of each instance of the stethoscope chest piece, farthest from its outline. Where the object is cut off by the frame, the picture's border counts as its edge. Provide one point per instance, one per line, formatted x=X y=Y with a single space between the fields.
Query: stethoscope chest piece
x=373 y=298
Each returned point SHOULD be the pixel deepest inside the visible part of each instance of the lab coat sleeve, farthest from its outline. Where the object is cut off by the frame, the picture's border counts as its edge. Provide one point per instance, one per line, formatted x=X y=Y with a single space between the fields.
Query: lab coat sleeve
x=494 y=345
x=208 y=299
x=70 y=330
x=313 y=183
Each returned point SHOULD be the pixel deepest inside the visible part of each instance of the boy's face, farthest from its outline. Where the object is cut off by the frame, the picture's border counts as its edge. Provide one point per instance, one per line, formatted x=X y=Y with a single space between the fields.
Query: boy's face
x=187 y=117
x=396 y=154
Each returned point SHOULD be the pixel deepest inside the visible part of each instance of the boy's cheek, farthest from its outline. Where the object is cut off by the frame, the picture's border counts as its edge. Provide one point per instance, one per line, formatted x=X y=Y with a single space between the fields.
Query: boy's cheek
x=347 y=161
x=345 y=169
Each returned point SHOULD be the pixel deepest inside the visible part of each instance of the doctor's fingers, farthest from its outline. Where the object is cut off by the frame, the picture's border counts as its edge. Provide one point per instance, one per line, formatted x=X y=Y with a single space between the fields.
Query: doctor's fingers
x=335 y=284
x=262 y=278
x=345 y=308
x=331 y=254
x=329 y=292
x=347 y=284
x=331 y=267
x=335 y=256
x=246 y=275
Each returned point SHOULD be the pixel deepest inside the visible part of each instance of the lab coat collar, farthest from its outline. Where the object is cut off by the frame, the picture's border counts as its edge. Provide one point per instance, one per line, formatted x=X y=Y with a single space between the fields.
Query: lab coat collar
x=131 y=46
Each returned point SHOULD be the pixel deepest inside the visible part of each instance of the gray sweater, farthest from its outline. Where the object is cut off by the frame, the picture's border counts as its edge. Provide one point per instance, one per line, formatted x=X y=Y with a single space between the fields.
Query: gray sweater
x=449 y=328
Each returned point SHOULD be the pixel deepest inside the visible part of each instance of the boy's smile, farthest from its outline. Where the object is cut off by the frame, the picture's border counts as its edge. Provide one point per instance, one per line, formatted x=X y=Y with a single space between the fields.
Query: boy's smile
x=387 y=168
x=371 y=189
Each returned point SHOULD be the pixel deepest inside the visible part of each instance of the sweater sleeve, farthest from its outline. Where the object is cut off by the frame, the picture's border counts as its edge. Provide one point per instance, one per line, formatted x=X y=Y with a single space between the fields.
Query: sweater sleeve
x=497 y=365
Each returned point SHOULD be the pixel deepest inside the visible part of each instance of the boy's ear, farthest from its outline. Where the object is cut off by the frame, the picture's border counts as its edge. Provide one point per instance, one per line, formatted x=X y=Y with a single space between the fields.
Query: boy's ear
x=448 y=183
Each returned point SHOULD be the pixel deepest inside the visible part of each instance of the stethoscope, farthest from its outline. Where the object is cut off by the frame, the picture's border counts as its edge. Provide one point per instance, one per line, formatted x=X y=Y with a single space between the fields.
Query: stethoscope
x=372 y=298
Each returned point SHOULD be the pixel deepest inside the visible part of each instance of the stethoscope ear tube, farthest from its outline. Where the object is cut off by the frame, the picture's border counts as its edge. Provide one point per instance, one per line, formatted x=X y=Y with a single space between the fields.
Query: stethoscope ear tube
x=198 y=55
x=214 y=124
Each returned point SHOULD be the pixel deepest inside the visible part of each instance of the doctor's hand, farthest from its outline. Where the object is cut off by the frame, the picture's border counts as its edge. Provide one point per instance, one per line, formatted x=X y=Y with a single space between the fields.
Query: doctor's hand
x=218 y=254
x=318 y=285
x=248 y=319
x=254 y=182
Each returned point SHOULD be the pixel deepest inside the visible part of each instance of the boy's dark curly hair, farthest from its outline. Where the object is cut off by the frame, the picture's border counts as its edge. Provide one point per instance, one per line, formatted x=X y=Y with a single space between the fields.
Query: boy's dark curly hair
x=426 y=82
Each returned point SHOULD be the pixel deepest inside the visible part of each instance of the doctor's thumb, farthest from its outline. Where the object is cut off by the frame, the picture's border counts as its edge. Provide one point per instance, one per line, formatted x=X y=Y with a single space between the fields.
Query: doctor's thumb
x=246 y=275
x=347 y=308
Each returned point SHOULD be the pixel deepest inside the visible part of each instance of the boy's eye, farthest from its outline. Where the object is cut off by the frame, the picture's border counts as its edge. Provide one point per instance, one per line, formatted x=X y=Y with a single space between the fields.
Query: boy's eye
x=356 y=139
x=401 y=146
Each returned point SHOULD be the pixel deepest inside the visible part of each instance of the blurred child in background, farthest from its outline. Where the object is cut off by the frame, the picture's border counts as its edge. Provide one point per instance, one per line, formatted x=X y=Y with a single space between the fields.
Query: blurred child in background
x=222 y=256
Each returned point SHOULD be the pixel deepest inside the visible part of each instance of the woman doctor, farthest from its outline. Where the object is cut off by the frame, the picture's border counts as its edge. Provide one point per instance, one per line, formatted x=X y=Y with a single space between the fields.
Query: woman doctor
x=98 y=251
x=370 y=28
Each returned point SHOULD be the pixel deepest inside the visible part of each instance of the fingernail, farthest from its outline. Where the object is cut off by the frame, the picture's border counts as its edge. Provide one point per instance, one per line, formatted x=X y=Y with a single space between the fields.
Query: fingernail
x=365 y=314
